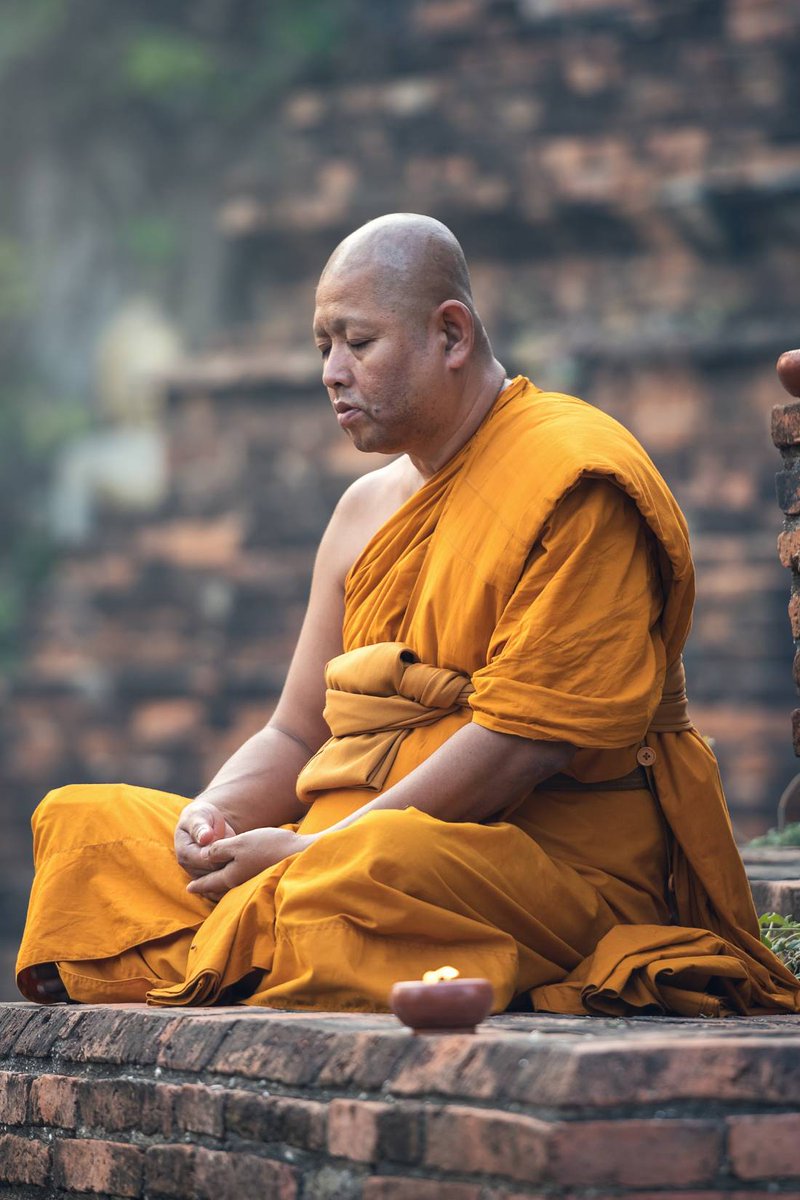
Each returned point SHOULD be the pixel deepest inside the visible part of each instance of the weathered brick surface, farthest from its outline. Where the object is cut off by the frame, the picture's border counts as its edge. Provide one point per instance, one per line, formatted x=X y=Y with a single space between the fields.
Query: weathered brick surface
x=488 y=1143
x=786 y=425
x=23 y=1160
x=789 y=548
x=531 y=1106
x=14 y=1091
x=794 y=615
x=762 y=1147
x=183 y=1171
x=777 y=895
x=115 y=1105
x=623 y=1153
x=398 y=1188
x=369 y=1131
x=91 y=1165
x=199 y=1109
x=287 y=1119
x=54 y=1101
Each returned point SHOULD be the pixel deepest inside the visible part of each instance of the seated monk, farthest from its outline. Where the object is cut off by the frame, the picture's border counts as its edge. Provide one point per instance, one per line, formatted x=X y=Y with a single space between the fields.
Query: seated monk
x=482 y=755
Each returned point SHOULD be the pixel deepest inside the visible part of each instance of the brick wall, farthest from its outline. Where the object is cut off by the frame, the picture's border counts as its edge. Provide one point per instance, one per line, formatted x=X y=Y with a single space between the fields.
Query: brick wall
x=133 y=1102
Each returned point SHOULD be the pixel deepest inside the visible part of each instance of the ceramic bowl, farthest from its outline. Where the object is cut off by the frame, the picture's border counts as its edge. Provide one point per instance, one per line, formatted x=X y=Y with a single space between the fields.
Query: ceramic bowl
x=453 y=1005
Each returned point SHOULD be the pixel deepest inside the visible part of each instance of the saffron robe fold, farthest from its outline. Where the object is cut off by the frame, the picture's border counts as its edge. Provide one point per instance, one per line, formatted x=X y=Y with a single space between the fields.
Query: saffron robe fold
x=547 y=563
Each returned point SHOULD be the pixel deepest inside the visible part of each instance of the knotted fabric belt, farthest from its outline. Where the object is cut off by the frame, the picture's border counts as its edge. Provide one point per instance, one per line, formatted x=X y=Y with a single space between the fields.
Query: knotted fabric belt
x=377 y=694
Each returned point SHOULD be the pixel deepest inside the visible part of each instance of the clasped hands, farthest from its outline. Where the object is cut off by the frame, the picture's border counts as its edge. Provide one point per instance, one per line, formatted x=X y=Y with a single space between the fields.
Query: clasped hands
x=218 y=858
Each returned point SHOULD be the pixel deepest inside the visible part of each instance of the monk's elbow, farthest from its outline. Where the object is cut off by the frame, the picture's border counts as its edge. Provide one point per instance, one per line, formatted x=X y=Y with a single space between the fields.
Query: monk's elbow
x=538 y=760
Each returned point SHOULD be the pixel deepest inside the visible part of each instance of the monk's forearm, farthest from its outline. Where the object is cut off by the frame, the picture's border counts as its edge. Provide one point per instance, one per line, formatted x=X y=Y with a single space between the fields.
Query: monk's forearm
x=255 y=788
x=475 y=775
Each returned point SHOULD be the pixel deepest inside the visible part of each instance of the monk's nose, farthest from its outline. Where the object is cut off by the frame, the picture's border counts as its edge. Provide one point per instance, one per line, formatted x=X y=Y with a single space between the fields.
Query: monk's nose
x=335 y=369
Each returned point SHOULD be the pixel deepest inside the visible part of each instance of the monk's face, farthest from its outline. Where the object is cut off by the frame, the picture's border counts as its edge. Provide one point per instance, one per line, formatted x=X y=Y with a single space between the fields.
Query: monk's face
x=382 y=362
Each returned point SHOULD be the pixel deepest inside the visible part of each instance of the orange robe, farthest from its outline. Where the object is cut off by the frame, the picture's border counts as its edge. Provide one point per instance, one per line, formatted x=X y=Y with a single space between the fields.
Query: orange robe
x=544 y=576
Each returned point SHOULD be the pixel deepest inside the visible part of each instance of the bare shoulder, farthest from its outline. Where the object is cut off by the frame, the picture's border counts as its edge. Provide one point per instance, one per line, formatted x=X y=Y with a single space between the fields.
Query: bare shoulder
x=366 y=505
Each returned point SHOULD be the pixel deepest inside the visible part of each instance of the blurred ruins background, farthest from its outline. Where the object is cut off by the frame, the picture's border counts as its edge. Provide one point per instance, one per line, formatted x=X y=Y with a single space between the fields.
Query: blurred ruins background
x=624 y=176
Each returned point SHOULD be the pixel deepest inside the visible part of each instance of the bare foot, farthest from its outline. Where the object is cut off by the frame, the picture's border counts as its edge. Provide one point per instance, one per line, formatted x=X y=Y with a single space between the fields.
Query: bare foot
x=44 y=982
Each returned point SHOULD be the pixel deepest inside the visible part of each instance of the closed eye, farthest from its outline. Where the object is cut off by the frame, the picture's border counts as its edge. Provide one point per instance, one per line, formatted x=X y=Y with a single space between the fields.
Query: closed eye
x=359 y=345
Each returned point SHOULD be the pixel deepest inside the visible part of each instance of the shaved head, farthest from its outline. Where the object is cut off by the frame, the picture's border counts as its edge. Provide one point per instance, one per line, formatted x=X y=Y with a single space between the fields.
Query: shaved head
x=405 y=359
x=412 y=262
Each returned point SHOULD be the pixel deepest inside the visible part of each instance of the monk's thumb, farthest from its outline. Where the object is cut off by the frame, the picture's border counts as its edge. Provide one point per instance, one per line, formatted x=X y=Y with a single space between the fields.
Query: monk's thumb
x=202 y=833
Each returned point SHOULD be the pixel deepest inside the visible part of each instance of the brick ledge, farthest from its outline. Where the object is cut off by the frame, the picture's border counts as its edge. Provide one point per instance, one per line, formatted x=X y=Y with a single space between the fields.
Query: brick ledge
x=129 y=1101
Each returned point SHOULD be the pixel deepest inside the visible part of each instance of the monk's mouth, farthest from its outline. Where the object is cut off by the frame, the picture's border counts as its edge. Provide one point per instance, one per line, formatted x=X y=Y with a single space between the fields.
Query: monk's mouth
x=345 y=414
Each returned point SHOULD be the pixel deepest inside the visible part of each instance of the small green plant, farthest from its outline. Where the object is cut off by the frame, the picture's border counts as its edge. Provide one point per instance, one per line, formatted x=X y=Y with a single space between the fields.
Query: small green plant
x=781 y=935
x=788 y=836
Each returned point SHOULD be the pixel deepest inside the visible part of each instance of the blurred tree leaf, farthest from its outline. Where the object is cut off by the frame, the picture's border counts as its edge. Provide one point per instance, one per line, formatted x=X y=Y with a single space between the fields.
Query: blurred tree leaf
x=162 y=63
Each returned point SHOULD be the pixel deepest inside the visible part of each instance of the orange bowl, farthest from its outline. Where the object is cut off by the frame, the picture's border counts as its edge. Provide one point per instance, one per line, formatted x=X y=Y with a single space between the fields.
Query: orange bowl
x=453 y=1004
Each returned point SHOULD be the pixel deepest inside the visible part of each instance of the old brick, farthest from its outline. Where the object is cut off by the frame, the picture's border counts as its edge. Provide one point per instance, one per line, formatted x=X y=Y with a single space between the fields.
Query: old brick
x=275 y=1050
x=198 y=1109
x=635 y=1153
x=368 y=1131
x=656 y=1070
x=117 y=1035
x=54 y=1101
x=786 y=424
x=434 y=1066
x=794 y=614
x=183 y=1171
x=220 y=1174
x=23 y=1160
x=13 y=1019
x=765 y=1147
x=124 y=1104
x=789 y=549
x=366 y=1061
x=487 y=1142
x=46 y=1027
x=14 y=1091
x=276 y=1119
x=396 y=1188
x=89 y=1165
x=189 y=1044
x=170 y=1170
x=787 y=488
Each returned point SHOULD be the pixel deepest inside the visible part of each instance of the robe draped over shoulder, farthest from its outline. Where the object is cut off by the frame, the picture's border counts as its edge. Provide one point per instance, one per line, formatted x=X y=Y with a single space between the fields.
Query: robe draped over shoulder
x=540 y=585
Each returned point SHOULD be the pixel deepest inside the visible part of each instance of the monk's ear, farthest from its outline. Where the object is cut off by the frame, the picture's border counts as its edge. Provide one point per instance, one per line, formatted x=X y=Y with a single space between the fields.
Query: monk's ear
x=456 y=326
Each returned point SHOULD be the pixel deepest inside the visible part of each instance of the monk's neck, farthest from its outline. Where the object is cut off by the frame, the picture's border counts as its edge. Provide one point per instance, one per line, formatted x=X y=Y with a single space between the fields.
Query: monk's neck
x=472 y=417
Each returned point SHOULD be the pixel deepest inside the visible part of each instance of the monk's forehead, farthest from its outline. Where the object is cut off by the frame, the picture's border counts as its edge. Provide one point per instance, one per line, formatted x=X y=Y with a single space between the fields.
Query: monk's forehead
x=352 y=292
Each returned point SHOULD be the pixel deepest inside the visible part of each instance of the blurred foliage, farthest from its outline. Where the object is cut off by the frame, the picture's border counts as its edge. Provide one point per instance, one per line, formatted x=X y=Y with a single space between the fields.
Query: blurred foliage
x=151 y=238
x=788 y=836
x=781 y=935
x=143 y=106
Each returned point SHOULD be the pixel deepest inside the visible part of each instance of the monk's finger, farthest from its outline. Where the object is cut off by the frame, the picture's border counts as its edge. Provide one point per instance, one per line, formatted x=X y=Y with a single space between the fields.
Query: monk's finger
x=219 y=853
x=212 y=886
x=190 y=856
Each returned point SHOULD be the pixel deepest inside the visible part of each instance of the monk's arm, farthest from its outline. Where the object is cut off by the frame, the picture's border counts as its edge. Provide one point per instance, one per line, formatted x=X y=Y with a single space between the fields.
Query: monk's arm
x=476 y=774
x=255 y=788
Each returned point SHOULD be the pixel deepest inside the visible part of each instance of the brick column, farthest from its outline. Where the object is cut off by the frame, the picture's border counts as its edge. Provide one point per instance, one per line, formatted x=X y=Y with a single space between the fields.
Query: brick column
x=786 y=436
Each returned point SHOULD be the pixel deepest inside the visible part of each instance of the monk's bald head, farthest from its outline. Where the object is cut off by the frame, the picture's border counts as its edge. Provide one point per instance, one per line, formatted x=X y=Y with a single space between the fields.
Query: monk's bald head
x=409 y=262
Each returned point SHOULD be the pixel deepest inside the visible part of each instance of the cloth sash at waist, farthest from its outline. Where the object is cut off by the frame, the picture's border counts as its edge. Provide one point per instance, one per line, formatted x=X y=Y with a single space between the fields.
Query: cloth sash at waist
x=377 y=694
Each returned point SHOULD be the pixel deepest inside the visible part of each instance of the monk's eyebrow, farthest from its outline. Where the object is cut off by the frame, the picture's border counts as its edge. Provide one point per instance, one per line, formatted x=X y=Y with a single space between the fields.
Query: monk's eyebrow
x=338 y=325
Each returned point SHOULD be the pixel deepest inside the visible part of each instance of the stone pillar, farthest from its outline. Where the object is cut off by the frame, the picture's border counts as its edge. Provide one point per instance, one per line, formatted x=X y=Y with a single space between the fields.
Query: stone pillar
x=786 y=436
